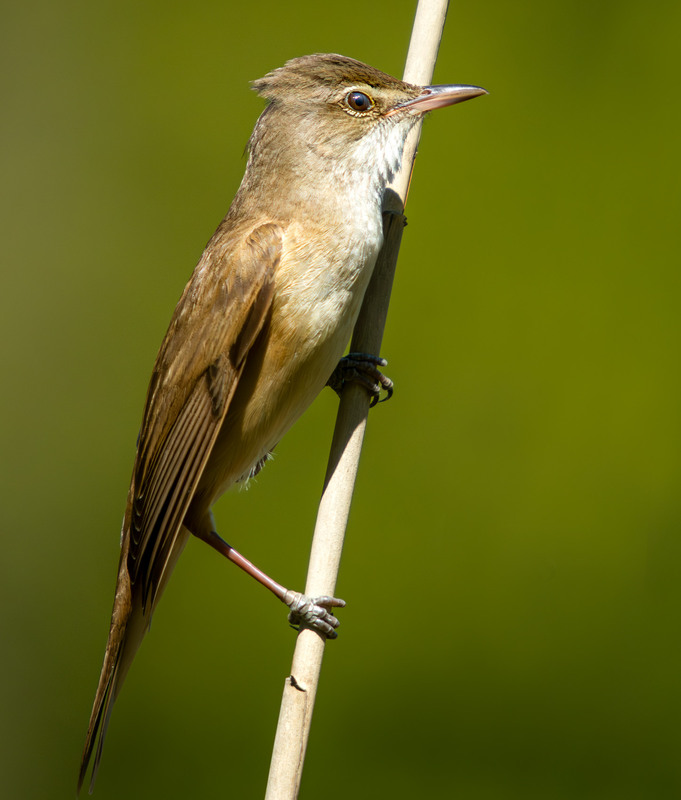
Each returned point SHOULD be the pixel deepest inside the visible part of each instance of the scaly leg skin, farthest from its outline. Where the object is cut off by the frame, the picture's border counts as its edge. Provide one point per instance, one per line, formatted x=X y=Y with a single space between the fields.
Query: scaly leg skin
x=362 y=368
x=311 y=612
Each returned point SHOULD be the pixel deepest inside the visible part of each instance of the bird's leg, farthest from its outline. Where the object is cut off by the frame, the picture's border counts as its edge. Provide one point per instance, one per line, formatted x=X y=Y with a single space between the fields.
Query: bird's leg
x=312 y=612
x=362 y=368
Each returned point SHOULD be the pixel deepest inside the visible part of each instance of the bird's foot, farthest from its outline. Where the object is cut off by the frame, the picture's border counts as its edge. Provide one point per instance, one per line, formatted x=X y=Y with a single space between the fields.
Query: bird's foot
x=313 y=612
x=362 y=368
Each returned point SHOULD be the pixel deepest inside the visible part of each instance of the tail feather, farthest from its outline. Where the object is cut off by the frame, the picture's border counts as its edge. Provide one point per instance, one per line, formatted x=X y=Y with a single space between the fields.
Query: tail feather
x=99 y=722
x=125 y=637
x=129 y=624
x=101 y=709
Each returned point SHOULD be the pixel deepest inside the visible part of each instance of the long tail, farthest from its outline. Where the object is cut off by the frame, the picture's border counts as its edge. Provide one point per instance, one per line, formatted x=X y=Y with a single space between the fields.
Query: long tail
x=101 y=713
x=128 y=626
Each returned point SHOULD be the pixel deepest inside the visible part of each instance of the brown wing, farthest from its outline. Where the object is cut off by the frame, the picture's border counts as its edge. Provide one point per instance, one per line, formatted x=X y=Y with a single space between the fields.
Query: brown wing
x=222 y=310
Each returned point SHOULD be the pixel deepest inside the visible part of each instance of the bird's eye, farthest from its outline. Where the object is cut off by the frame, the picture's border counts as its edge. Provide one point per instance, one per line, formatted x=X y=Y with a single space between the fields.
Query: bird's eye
x=358 y=101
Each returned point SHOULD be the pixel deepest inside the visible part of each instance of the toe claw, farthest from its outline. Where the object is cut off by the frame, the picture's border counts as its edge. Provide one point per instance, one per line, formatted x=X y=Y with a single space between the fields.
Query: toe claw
x=362 y=368
x=313 y=612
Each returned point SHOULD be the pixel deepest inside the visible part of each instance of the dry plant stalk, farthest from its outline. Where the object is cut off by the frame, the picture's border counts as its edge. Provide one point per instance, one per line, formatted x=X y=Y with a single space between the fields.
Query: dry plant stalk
x=301 y=686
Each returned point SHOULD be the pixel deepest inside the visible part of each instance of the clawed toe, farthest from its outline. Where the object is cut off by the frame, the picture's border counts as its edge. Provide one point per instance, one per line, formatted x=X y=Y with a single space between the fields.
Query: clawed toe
x=362 y=368
x=313 y=612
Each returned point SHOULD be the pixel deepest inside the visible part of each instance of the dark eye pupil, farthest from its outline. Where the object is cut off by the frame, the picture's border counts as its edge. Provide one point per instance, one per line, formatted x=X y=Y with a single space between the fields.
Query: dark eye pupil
x=358 y=101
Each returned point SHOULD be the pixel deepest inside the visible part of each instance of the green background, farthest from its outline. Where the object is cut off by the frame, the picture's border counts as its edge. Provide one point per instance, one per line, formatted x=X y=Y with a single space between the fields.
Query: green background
x=512 y=562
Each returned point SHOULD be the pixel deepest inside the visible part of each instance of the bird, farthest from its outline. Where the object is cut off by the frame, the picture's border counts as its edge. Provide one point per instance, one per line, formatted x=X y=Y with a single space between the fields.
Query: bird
x=260 y=329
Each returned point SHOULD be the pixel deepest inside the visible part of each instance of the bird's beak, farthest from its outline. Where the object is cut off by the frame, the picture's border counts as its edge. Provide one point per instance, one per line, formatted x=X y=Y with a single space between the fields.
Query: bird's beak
x=438 y=97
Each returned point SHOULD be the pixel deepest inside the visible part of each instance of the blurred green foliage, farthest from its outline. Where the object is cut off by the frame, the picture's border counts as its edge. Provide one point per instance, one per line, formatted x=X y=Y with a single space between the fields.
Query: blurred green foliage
x=512 y=564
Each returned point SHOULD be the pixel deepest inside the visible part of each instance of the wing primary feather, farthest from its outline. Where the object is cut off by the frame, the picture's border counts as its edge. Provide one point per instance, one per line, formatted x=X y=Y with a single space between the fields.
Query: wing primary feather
x=177 y=501
x=162 y=477
x=160 y=564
